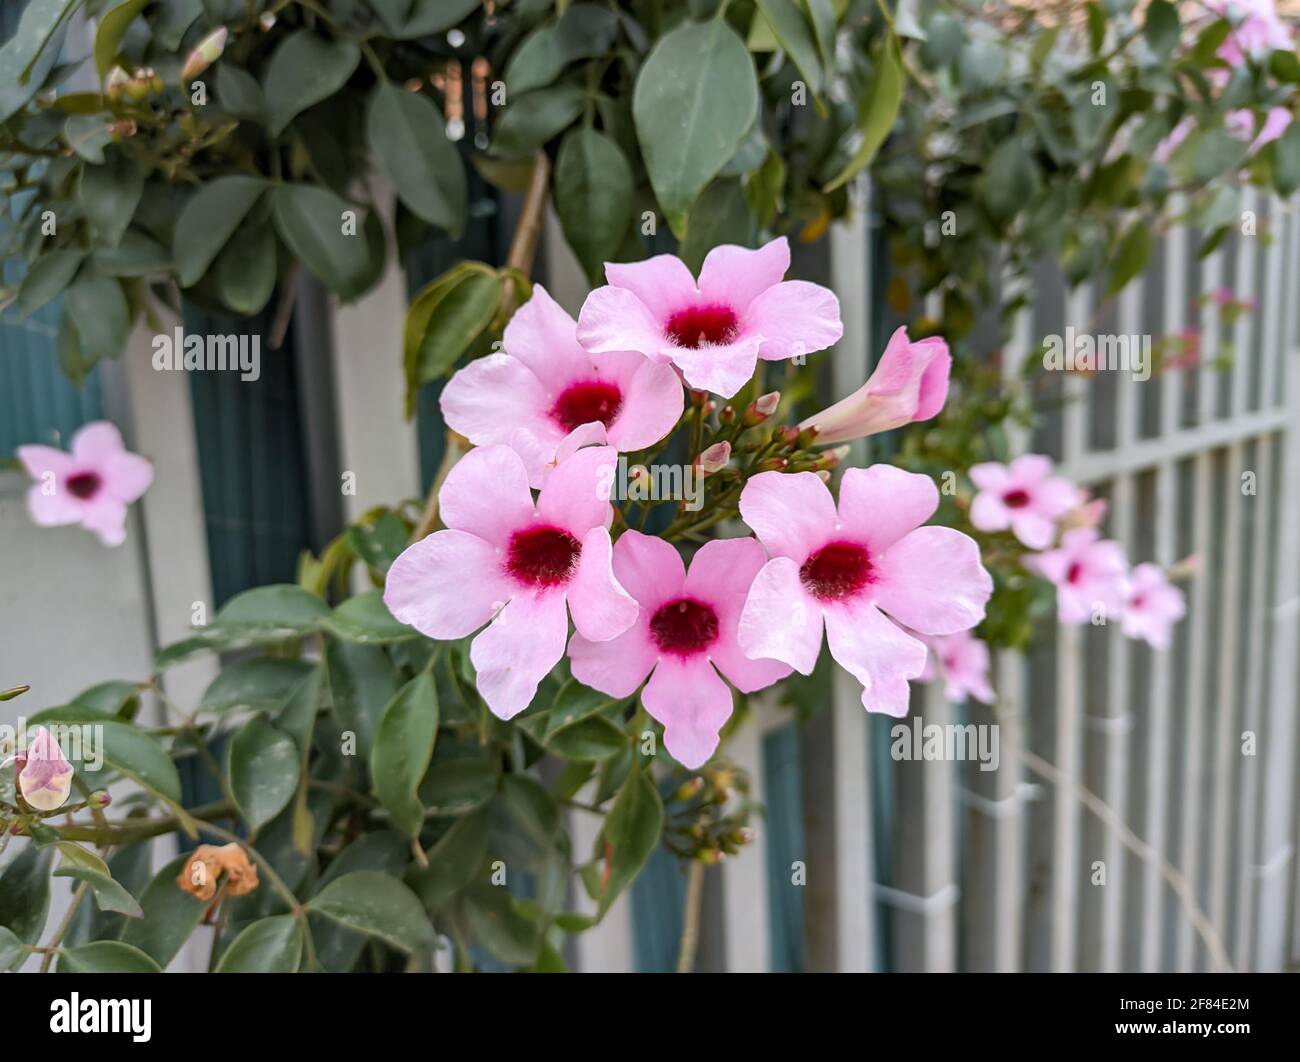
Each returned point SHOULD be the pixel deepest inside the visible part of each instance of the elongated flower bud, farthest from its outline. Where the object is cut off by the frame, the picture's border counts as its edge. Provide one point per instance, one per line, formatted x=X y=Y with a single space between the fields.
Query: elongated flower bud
x=207 y=52
x=46 y=778
x=761 y=408
x=715 y=458
x=116 y=83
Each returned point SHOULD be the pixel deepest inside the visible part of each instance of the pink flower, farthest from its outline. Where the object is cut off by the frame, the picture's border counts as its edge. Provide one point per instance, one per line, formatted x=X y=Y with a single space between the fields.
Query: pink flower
x=545 y=395
x=518 y=564
x=1174 y=139
x=714 y=332
x=909 y=383
x=686 y=628
x=841 y=568
x=1258 y=30
x=1023 y=496
x=46 y=779
x=1089 y=574
x=1153 y=606
x=92 y=486
x=962 y=661
x=1275 y=124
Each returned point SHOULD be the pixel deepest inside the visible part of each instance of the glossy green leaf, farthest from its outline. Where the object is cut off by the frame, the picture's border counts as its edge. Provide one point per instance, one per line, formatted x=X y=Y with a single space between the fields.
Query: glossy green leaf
x=238 y=93
x=324 y=233
x=245 y=270
x=530 y=120
x=444 y=319
x=496 y=922
x=260 y=684
x=306 y=69
x=11 y=949
x=362 y=681
x=106 y=956
x=592 y=738
x=109 y=195
x=113 y=25
x=631 y=833
x=25 y=893
x=409 y=137
x=365 y=618
x=594 y=196
x=403 y=747
x=453 y=860
x=47 y=278
x=135 y=255
x=170 y=915
x=263 y=769
x=795 y=34
x=877 y=110
x=29 y=55
x=457 y=786
x=208 y=219
x=96 y=305
x=377 y=905
x=273 y=945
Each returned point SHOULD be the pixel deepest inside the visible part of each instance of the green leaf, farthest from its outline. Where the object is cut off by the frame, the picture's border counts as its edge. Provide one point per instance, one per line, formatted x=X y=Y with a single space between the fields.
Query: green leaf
x=25 y=893
x=532 y=119
x=11 y=949
x=272 y=945
x=1286 y=161
x=453 y=861
x=1161 y=27
x=260 y=684
x=170 y=915
x=88 y=135
x=245 y=269
x=47 y=278
x=444 y=319
x=1010 y=180
x=454 y=787
x=113 y=697
x=98 y=308
x=106 y=956
x=536 y=62
x=877 y=110
x=695 y=98
x=721 y=215
x=532 y=807
x=239 y=94
x=306 y=69
x=594 y=196
x=631 y=833
x=264 y=769
x=377 y=905
x=135 y=255
x=362 y=682
x=112 y=28
x=409 y=136
x=574 y=702
x=366 y=619
x=795 y=35
x=208 y=220
x=406 y=19
x=311 y=221
x=84 y=865
x=402 y=750
x=1131 y=255
x=593 y=738
x=30 y=54
x=282 y=609
x=109 y=195
x=496 y=922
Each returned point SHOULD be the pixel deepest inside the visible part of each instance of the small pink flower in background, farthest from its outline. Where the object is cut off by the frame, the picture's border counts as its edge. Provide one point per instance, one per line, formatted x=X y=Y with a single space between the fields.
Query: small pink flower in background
x=1174 y=139
x=962 y=661
x=714 y=331
x=1023 y=496
x=1089 y=512
x=685 y=630
x=1258 y=29
x=45 y=780
x=525 y=566
x=845 y=569
x=91 y=486
x=1153 y=606
x=545 y=395
x=909 y=383
x=715 y=458
x=1241 y=124
x=1089 y=573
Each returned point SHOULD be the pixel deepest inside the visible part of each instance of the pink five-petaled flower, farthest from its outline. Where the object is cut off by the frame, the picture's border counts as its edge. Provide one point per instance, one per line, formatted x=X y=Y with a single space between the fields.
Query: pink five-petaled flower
x=714 y=332
x=909 y=383
x=846 y=566
x=545 y=387
x=46 y=779
x=685 y=629
x=1153 y=606
x=1023 y=496
x=1090 y=575
x=962 y=661
x=91 y=486
x=504 y=558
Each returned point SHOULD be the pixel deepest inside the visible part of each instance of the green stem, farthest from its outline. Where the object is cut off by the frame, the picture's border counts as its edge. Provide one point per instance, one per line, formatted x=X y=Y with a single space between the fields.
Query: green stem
x=64 y=926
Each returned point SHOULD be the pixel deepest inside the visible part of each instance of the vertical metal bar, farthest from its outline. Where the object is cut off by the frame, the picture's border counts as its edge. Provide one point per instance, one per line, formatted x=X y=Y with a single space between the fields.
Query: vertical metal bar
x=1243 y=351
x=746 y=934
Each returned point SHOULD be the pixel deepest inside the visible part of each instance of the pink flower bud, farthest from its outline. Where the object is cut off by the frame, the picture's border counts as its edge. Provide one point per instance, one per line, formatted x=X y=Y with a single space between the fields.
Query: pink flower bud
x=761 y=408
x=715 y=458
x=46 y=779
x=207 y=52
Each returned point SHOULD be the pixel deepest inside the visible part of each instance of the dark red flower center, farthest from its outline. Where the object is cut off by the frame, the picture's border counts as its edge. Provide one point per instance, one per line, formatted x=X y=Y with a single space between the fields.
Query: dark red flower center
x=1074 y=573
x=83 y=485
x=542 y=555
x=836 y=570
x=582 y=403
x=1015 y=499
x=684 y=626
x=696 y=326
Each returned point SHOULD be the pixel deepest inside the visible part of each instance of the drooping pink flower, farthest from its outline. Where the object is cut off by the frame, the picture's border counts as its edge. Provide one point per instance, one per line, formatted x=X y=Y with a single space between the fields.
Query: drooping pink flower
x=962 y=661
x=46 y=779
x=909 y=383
x=845 y=569
x=1153 y=606
x=517 y=563
x=1023 y=496
x=714 y=332
x=685 y=633
x=1090 y=575
x=545 y=395
x=91 y=486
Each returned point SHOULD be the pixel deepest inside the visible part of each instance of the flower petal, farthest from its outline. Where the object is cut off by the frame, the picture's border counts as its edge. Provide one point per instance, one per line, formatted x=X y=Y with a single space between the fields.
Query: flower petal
x=616 y=667
x=492 y=397
x=126 y=475
x=792 y=513
x=734 y=276
x=517 y=651
x=692 y=702
x=600 y=607
x=932 y=581
x=486 y=494
x=38 y=460
x=794 y=317
x=877 y=652
x=652 y=405
x=543 y=337
x=987 y=513
x=52 y=510
x=662 y=283
x=447 y=585
x=576 y=494
x=106 y=517
x=96 y=440
x=614 y=319
x=649 y=569
x=882 y=503
x=780 y=621
x=722 y=369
